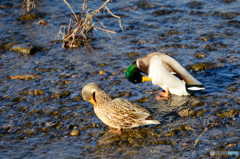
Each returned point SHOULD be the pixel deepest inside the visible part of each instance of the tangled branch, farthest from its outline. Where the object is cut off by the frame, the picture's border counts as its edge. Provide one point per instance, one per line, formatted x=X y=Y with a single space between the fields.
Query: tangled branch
x=79 y=30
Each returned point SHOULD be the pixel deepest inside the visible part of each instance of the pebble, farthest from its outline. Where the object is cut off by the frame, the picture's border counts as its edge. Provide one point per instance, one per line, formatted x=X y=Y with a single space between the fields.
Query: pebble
x=24 y=49
x=74 y=133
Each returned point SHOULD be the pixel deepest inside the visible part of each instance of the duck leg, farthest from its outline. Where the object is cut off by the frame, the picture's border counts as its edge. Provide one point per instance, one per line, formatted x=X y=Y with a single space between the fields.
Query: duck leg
x=119 y=131
x=163 y=94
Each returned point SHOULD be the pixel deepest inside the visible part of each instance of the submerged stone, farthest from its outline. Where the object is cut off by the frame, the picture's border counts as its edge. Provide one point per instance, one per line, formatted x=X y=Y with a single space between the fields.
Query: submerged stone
x=26 y=17
x=38 y=92
x=187 y=112
x=75 y=133
x=201 y=55
x=10 y=45
x=200 y=113
x=162 y=12
x=77 y=98
x=234 y=23
x=6 y=5
x=227 y=1
x=171 y=133
x=209 y=47
x=25 y=49
x=102 y=72
x=195 y=4
x=143 y=4
x=199 y=67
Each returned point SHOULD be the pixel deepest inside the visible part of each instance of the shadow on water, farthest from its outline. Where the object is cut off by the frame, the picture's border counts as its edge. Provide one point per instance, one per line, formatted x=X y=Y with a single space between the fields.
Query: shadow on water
x=39 y=113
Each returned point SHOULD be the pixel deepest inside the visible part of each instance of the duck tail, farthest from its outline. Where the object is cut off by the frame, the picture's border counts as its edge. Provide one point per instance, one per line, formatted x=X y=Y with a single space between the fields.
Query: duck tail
x=193 y=88
x=148 y=122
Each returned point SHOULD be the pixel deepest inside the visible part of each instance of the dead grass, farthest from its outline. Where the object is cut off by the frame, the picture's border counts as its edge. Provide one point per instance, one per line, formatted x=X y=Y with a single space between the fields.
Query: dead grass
x=79 y=30
x=29 y=4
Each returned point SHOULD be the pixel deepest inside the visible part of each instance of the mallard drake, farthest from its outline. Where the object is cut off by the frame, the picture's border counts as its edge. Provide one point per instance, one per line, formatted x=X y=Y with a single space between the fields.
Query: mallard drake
x=117 y=113
x=165 y=72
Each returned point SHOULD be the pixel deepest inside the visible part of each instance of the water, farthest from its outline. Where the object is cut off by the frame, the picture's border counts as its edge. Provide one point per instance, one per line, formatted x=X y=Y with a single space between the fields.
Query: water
x=38 y=115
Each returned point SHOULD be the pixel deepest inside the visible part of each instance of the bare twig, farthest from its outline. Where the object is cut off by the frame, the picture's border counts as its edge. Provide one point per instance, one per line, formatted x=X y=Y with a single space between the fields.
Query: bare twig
x=29 y=4
x=96 y=11
x=84 y=4
x=24 y=76
x=81 y=32
x=109 y=31
x=71 y=10
x=196 y=141
x=115 y=17
x=74 y=32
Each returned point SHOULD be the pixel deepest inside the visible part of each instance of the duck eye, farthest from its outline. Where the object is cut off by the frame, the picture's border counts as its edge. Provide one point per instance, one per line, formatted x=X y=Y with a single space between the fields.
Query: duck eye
x=135 y=81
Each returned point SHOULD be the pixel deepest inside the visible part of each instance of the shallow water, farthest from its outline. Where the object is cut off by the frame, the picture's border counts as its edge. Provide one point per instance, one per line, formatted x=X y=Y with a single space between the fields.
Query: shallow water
x=38 y=115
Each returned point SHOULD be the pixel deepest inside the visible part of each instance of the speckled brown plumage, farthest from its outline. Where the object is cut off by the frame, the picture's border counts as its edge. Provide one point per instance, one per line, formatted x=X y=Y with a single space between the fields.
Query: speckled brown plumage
x=116 y=113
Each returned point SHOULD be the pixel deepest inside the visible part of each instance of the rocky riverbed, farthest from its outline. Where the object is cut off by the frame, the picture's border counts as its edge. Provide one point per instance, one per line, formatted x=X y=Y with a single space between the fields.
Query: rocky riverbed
x=41 y=109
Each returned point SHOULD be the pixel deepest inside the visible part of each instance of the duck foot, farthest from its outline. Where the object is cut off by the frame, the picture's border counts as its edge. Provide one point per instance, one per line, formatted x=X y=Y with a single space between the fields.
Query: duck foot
x=163 y=95
x=119 y=131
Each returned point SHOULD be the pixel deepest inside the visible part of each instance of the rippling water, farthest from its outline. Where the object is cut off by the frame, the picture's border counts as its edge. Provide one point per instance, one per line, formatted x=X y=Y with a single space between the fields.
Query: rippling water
x=37 y=115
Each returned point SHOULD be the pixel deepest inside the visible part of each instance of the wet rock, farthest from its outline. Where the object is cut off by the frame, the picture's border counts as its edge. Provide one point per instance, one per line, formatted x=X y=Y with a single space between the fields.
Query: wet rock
x=162 y=12
x=70 y=45
x=206 y=37
x=221 y=45
x=172 y=32
x=18 y=99
x=161 y=142
x=25 y=49
x=45 y=69
x=102 y=72
x=33 y=111
x=227 y=1
x=49 y=125
x=233 y=89
x=187 y=127
x=200 y=113
x=8 y=46
x=6 y=5
x=171 y=133
x=75 y=97
x=102 y=64
x=200 y=55
x=196 y=103
x=38 y=92
x=187 y=112
x=227 y=15
x=231 y=113
x=209 y=47
x=198 y=13
x=234 y=23
x=199 y=67
x=133 y=54
x=126 y=94
x=195 y=4
x=61 y=94
x=143 y=4
x=55 y=113
x=116 y=82
x=27 y=17
x=143 y=100
x=75 y=133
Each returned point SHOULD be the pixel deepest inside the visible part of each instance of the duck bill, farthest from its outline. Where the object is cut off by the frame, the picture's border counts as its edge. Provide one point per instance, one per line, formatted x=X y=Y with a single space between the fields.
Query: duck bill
x=146 y=78
x=93 y=102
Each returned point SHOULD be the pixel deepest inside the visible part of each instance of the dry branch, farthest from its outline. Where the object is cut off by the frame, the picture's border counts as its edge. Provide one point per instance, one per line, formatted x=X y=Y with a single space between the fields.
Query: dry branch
x=29 y=4
x=79 y=32
x=25 y=77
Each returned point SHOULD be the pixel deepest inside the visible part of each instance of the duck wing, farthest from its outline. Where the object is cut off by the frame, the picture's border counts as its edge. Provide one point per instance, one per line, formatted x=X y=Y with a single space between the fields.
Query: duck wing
x=123 y=107
x=173 y=66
